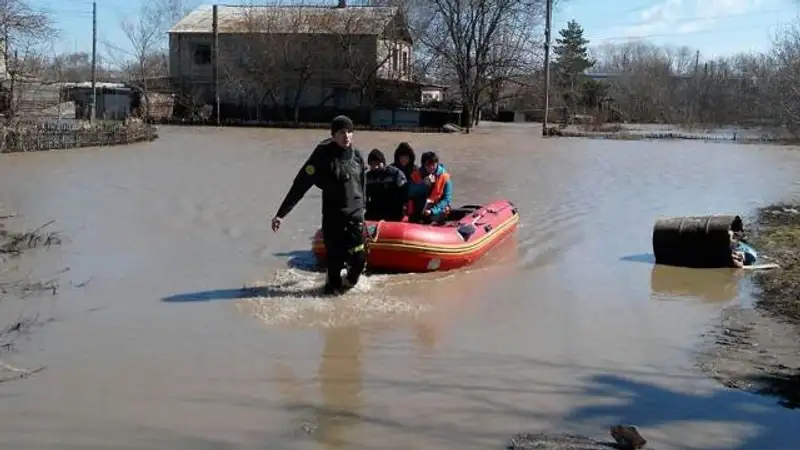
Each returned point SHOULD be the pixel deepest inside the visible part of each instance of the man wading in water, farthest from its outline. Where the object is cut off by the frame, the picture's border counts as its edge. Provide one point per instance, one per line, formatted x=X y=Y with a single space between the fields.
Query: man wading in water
x=338 y=170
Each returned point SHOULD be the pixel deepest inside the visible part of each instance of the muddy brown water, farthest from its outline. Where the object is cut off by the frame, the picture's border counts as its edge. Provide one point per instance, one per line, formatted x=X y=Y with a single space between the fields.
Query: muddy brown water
x=567 y=328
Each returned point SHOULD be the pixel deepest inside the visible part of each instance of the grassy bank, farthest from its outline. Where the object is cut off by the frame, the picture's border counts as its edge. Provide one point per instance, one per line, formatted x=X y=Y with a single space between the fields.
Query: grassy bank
x=778 y=235
x=758 y=349
x=628 y=135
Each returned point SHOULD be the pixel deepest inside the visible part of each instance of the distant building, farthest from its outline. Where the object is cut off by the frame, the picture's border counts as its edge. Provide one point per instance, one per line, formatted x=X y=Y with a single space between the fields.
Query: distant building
x=115 y=101
x=433 y=94
x=301 y=56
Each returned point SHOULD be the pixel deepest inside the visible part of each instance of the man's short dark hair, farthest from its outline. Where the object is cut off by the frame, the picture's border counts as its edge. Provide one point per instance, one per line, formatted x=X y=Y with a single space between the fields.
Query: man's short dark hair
x=341 y=122
x=429 y=157
x=376 y=156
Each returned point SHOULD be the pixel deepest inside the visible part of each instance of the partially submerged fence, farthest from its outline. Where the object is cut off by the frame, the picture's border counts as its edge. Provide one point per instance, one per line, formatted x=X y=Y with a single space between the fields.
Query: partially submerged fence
x=31 y=138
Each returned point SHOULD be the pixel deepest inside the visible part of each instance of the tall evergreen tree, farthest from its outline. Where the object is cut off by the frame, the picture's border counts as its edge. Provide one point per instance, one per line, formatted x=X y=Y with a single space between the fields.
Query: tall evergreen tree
x=571 y=60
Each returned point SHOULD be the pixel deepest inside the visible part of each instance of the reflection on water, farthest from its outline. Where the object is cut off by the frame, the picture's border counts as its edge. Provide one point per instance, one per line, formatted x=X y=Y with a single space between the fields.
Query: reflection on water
x=174 y=354
x=711 y=285
x=340 y=375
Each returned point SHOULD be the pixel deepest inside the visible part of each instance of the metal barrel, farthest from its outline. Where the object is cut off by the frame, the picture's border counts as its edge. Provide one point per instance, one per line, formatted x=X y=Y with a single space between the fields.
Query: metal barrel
x=695 y=241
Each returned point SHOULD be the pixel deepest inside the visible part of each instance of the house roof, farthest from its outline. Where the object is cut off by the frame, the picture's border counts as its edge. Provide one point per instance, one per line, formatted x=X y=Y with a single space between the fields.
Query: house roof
x=370 y=20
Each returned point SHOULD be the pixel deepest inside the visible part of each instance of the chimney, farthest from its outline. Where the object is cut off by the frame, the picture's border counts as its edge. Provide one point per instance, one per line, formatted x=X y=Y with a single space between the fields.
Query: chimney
x=342 y=4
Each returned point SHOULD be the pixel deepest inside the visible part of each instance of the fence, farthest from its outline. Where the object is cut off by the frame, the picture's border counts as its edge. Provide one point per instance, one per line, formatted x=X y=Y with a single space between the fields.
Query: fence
x=426 y=120
x=289 y=125
x=38 y=138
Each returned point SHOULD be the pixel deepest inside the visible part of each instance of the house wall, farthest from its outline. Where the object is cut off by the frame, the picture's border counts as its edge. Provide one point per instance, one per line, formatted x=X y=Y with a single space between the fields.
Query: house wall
x=114 y=106
x=3 y=68
x=395 y=59
x=258 y=69
x=432 y=95
x=111 y=105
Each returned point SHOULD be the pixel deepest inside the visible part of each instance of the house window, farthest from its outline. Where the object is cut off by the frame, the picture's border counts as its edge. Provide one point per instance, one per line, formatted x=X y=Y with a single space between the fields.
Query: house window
x=339 y=97
x=405 y=63
x=394 y=60
x=202 y=54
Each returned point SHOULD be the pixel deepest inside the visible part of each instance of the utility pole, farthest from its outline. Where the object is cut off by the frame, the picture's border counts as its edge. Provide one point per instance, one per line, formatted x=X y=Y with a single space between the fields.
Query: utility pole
x=215 y=59
x=547 y=29
x=696 y=85
x=94 y=63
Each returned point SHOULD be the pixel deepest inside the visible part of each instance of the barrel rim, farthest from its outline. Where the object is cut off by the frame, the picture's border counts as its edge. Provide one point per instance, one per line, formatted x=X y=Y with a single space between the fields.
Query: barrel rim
x=736 y=220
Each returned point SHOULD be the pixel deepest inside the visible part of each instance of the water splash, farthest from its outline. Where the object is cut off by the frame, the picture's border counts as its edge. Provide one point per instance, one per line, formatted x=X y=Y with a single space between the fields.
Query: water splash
x=294 y=297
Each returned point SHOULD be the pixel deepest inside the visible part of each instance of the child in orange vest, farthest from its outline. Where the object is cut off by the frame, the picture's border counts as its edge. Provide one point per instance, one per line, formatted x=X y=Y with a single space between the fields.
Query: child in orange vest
x=431 y=191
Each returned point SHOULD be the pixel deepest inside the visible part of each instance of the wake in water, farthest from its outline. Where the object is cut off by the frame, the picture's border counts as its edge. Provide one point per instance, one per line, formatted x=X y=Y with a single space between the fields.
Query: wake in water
x=295 y=297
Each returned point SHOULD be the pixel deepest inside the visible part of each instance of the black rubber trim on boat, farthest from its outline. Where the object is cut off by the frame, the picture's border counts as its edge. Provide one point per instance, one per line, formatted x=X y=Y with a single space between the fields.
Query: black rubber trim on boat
x=466 y=231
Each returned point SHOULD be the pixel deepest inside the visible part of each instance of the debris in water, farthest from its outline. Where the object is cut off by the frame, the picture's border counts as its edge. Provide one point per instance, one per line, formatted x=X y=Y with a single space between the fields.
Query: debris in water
x=8 y=335
x=628 y=437
x=15 y=243
x=306 y=428
x=555 y=441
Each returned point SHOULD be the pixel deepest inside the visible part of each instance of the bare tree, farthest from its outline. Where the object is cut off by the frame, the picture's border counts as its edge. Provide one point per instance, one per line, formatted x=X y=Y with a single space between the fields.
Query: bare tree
x=74 y=67
x=280 y=52
x=786 y=77
x=250 y=66
x=288 y=54
x=391 y=61
x=146 y=47
x=25 y=94
x=674 y=85
x=478 y=41
x=145 y=57
x=25 y=32
x=23 y=28
x=649 y=82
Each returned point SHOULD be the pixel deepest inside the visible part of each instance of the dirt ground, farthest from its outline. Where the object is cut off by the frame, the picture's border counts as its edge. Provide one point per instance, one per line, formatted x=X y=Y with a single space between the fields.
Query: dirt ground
x=758 y=349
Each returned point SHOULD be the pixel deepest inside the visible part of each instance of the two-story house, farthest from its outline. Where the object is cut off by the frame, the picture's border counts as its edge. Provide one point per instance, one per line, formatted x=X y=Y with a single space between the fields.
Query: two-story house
x=296 y=56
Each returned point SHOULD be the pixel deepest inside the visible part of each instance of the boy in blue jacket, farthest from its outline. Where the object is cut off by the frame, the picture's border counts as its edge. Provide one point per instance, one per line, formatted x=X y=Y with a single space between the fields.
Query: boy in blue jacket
x=431 y=191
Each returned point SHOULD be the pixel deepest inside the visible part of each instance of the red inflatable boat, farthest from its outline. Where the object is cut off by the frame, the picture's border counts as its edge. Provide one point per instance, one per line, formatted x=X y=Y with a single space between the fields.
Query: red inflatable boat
x=469 y=233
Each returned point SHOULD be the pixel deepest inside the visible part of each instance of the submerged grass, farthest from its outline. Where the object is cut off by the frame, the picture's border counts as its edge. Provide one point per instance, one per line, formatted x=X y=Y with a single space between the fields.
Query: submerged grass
x=12 y=244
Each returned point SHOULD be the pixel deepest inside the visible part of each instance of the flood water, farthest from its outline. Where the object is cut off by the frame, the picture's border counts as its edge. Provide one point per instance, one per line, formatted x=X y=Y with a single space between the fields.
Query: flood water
x=567 y=328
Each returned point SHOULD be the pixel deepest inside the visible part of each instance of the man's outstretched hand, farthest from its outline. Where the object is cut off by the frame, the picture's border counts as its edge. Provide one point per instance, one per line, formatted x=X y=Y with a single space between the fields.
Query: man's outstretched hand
x=276 y=224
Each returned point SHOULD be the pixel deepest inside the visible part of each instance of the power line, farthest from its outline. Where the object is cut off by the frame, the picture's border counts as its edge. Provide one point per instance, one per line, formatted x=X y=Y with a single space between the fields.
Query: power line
x=627 y=11
x=94 y=61
x=642 y=7
x=687 y=33
x=686 y=19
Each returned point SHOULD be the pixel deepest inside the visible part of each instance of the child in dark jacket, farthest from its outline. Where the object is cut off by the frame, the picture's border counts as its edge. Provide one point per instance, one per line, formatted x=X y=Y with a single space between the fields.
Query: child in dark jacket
x=387 y=189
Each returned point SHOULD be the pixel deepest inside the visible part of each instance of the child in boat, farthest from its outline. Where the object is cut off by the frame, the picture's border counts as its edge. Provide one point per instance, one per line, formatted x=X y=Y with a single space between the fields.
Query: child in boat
x=387 y=189
x=431 y=191
x=404 y=159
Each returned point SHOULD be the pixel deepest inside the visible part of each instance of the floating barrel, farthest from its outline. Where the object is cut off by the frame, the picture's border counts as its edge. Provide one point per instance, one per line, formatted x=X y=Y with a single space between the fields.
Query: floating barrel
x=696 y=241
